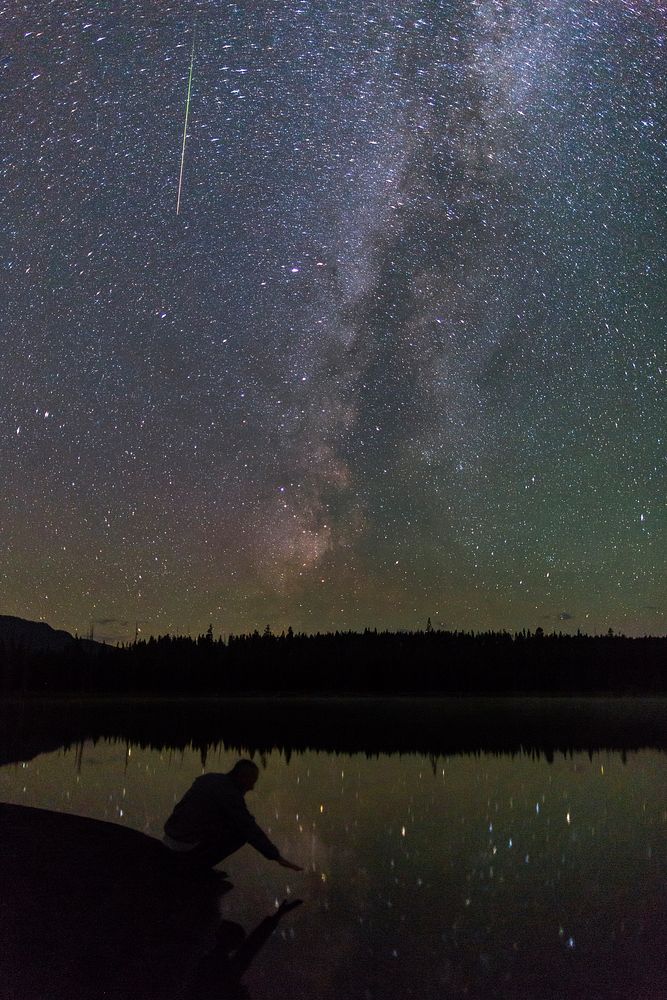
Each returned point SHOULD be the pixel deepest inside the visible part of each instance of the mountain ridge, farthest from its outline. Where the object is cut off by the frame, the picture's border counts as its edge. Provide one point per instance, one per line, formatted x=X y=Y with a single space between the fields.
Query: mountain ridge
x=38 y=636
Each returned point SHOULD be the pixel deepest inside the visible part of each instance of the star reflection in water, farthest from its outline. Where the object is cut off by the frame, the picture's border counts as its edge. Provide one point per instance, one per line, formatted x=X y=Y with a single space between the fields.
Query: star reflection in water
x=465 y=873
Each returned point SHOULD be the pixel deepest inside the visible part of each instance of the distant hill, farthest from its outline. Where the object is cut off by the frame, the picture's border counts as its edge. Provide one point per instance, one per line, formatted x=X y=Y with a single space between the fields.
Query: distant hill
x=37 y=636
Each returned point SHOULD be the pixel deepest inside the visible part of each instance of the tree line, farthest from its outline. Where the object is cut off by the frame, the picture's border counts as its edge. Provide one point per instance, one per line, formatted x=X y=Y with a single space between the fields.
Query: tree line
x=428 y=661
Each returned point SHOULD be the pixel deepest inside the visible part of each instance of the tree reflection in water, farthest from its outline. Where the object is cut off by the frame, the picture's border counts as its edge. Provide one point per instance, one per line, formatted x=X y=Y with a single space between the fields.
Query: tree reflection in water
x=470 y=874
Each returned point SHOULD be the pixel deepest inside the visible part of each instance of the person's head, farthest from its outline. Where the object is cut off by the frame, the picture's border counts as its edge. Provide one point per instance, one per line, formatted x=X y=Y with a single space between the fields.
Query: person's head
x=229 y=936
x=244 y=774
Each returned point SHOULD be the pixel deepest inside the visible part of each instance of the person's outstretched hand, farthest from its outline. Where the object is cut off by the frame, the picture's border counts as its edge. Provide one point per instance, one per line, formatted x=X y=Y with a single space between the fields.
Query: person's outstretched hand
x=288 y=864
x=285 y=907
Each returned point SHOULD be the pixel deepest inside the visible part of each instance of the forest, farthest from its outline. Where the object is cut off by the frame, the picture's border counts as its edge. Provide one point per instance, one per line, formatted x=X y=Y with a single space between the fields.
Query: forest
x=422 y=662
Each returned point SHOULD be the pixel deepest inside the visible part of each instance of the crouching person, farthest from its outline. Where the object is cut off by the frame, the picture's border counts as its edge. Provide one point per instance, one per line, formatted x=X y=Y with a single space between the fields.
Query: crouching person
x=212 y=821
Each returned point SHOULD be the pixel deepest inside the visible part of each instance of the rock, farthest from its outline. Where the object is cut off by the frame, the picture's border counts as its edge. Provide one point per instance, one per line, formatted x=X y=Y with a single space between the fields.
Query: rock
x=92 y=909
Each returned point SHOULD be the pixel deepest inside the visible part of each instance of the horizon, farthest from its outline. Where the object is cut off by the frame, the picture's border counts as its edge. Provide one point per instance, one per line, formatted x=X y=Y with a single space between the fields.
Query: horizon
x=334 y=314
x=277 y=632
x=123 y=630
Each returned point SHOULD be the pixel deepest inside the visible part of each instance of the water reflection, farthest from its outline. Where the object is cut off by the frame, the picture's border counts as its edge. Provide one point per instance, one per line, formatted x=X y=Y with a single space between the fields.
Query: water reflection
x=219 y=973
x=482 y=876
x=434 y=727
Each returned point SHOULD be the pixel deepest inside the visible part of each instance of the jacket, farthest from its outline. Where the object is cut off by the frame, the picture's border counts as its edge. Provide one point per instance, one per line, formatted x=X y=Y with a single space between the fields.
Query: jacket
x=214 y=809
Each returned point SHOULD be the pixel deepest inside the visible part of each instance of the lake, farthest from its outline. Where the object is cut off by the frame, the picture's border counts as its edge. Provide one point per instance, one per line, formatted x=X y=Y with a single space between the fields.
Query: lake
x=462 y=875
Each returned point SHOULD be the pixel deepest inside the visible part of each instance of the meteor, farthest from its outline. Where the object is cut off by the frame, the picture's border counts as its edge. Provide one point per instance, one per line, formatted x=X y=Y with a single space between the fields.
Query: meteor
x=185 y=126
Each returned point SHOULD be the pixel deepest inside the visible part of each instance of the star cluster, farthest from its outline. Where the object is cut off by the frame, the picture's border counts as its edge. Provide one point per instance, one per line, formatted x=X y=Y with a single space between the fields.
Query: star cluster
x=401 y=353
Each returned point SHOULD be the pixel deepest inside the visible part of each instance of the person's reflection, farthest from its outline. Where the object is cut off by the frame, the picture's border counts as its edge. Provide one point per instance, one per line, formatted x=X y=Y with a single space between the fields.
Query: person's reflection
x=218 y=975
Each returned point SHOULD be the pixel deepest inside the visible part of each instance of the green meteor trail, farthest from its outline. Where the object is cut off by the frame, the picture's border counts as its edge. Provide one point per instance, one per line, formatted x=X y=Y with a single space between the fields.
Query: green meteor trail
x=185 y=126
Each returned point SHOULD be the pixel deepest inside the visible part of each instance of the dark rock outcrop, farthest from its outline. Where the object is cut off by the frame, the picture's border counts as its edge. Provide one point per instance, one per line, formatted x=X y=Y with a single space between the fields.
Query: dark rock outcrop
x=92 y=909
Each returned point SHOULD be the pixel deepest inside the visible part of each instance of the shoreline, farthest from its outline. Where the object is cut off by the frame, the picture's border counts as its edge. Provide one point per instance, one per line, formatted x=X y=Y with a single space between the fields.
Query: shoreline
x=76 y=697
x=433 y=726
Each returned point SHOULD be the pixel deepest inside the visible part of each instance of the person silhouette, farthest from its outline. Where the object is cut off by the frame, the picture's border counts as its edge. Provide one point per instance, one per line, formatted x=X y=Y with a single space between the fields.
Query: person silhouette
x=212 y=821
x=219 y=973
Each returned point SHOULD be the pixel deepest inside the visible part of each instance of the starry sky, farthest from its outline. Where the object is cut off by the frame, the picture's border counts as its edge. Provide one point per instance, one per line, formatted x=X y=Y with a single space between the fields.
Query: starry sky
x=400 y=353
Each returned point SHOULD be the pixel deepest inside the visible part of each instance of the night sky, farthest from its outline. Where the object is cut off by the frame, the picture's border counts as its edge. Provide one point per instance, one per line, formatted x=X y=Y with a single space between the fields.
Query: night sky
x=399 y=355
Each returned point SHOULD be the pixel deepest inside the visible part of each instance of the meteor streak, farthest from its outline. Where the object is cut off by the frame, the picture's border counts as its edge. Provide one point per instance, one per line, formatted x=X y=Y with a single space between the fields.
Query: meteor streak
x=185 y=127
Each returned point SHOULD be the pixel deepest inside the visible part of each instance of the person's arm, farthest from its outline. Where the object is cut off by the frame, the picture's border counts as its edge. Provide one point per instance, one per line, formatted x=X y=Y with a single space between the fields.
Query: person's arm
x=256 y=939
x=245 y=822
x=261 y=843
x=236 y=813
x=259 y=840
x=289 y=864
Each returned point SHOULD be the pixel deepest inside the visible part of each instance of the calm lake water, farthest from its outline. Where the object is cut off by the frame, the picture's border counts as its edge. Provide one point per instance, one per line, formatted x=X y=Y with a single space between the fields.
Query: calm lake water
x=465 y=876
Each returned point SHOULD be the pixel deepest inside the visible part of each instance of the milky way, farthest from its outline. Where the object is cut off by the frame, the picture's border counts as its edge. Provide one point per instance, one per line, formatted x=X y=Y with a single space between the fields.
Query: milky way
x=400 y=354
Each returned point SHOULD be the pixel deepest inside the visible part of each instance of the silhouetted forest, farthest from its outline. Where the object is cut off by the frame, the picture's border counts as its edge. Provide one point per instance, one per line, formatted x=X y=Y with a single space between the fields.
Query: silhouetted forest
x=371 y=662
